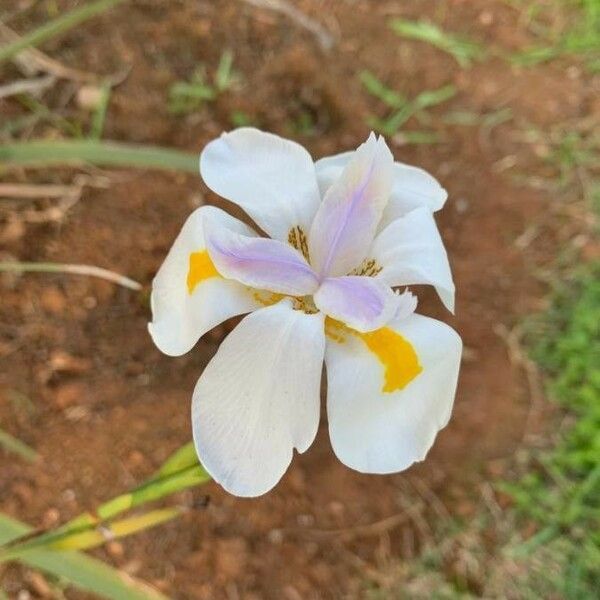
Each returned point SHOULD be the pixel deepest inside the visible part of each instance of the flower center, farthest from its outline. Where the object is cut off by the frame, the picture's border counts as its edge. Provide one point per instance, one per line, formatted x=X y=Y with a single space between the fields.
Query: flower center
x=368 y=268
x=305 y=304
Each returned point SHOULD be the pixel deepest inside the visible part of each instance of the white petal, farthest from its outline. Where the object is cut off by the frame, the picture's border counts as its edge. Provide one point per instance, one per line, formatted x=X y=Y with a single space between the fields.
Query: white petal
x=411 y=252
x=260 y=262
x=407 y=304
x=347 y=219
x=363 y=303
x=180 y=318
x=271 y=178
x=377 y=431
x=329 y=169
x=258 y=398
x=412 y=187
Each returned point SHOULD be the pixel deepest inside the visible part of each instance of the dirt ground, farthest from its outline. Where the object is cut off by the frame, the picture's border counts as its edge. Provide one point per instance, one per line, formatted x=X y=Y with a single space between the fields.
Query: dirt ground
x=82 y=383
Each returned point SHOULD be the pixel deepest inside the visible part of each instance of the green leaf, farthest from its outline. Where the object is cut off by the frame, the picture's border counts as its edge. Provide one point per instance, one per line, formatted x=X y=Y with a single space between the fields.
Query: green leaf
x=181 y=459
x=377 y=88
x=224 y=76
x=179 y=472
x=404 y=108
x=115 y=530
x=79 y=570
x=419 y=137
x=464 y=51
x=12 y=444
x=42 y=153
x=187 y=96
x=430 y=98
x=239 y=118
x=533 y=56
x=392 y=124
x=99 y=117
x=486 y=120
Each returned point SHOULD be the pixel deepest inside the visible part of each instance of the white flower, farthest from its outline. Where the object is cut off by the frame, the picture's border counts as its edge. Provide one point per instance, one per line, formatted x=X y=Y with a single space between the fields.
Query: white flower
x=344 y=232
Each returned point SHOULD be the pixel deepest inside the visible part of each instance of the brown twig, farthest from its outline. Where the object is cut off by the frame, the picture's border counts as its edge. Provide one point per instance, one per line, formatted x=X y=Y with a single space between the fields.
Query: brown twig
x=27 y=86
x=519 y=358
x=32 y=61
x=33 y=191
x=324 y=38
x=431 y=498
x=370 y=529
x=89 y=270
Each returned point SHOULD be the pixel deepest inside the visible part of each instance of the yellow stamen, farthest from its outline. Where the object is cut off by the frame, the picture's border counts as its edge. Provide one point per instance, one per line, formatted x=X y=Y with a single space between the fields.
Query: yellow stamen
x=368 y=268
x=201 y=268
x=396 y=354
x=266 y=298
x=297 y=239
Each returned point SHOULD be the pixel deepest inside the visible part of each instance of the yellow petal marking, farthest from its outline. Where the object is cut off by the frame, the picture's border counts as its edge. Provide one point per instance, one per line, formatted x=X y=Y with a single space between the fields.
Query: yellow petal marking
x=397 y=355
x=201 y=268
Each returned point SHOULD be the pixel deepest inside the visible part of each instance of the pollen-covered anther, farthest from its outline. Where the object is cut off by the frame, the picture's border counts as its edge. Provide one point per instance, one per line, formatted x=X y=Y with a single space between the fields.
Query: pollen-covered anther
x=368 y=268
x=265 y=298
x=306 y=304
x=297 y=239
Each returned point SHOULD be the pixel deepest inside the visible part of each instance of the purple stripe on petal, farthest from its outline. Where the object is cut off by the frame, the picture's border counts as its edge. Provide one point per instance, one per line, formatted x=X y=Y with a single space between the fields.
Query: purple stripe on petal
x=260 y=263
x=347 y=219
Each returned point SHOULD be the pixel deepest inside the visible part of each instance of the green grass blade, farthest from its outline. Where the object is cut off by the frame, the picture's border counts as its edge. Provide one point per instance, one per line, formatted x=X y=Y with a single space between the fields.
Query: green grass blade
x=99 y=116
x=486 y=120
x=44 y=153
x=180 y=472
x=542 y=537
x=155 y=489
x=379 y=90
x=12 y=444
x=239 y=118
x=534 y=56
x=224 y=76
x=464 y=51
x=403 y=107
x=420 y=137
x=188 y=96
x=116 y=530
x=43 y=113
x=393 y=123
x=81 y=571
x=87 y=523
x=497 y=117
x=56 y=27
x=181 y=459
x=430 y=98
x=88 y=538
